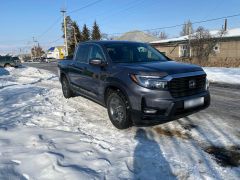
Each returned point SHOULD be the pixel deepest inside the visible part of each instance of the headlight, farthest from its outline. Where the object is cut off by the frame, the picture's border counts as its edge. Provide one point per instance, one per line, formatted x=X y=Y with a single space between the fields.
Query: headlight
x=151 y=82
x=207 y=84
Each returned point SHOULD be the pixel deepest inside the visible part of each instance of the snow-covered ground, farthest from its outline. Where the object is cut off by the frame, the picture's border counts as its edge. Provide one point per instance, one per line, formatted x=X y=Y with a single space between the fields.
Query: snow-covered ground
x=223 y=75
x=45 y=136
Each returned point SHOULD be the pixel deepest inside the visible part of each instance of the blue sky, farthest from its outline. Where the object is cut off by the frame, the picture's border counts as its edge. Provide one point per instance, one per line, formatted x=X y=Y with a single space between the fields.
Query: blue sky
x=23 y=19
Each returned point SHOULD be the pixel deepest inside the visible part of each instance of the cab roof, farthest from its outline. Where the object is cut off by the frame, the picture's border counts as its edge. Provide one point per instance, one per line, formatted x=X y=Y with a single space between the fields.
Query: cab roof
x=104 y=42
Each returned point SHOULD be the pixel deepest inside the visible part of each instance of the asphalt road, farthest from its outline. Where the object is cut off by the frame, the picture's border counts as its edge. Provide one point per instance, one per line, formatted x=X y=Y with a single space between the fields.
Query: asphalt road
x=47 y=66
x=224 y=98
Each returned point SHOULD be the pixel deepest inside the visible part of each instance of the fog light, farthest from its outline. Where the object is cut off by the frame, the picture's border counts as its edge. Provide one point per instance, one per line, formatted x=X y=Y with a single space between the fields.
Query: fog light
x=150 y=111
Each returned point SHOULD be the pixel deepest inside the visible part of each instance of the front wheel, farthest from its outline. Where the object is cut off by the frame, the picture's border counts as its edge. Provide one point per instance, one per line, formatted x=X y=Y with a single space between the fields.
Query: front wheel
x=67 y=92
x=118 y=110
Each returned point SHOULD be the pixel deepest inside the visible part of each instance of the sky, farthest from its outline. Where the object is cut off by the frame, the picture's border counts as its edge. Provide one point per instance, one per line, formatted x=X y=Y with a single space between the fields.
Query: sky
x=21 y=20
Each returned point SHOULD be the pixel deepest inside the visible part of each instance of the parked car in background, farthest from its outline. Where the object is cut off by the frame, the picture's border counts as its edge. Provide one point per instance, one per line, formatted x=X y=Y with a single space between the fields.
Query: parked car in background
x=138 y=84
x=9 y=61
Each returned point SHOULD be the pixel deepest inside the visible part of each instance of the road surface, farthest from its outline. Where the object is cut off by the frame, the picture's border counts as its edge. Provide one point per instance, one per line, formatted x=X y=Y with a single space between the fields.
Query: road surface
x=47 y=66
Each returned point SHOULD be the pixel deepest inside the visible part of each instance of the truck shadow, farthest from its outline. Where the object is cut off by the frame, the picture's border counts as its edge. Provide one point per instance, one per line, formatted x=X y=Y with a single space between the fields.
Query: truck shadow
x=149 y=161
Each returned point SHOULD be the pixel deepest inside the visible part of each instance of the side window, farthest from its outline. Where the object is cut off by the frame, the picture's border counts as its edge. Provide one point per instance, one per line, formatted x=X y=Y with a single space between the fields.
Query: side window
x=96 y=53
x=82 y=54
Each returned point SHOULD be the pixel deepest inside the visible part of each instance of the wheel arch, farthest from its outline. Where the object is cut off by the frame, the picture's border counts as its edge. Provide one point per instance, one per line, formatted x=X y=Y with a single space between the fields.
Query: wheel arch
x=63 y=74
x=115 y=87
x=7 y=64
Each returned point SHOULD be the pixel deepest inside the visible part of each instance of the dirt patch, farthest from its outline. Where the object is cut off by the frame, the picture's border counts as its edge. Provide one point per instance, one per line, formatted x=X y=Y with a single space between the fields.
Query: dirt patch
x=225 y=156
x=172 y=133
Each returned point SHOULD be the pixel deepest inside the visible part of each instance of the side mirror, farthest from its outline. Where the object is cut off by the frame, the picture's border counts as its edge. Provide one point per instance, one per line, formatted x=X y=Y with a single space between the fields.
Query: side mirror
x=97 y=62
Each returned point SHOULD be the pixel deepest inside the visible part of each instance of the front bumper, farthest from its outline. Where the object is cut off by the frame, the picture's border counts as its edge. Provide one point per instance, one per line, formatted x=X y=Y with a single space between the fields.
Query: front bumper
x=167 y=109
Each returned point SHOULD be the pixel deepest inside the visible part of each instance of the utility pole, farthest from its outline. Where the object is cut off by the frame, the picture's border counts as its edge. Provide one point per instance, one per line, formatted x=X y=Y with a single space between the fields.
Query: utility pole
x=65 y=31
x=225 y=25
x=34 y=49
x=189 y=40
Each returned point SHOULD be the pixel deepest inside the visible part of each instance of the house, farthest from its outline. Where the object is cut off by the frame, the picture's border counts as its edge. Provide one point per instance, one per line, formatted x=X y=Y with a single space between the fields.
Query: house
x=137 y=36
x=57 y=52
x=227 y=47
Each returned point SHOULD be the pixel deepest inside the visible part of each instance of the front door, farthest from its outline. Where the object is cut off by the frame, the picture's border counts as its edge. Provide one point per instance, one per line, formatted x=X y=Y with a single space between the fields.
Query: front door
x=78 y=74
x=95 y=72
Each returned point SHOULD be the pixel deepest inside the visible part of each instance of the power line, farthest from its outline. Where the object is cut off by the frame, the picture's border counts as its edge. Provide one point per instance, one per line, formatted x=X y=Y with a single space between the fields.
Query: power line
x=86 y=6
x=55 y=40
x=38 y=37
x=50 y=27
x=19 y=40
x=128 y=6
x=113 y=11
x=55 y=22
x=58 y=19
x=179 y=25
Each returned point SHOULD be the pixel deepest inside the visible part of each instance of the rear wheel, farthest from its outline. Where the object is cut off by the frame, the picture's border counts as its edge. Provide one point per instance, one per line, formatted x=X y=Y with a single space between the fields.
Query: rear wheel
x=7 y=65
x=67 y=92
x=118 y=110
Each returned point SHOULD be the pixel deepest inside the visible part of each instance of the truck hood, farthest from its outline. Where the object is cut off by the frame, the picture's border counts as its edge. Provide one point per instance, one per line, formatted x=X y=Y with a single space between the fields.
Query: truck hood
x=168 y=67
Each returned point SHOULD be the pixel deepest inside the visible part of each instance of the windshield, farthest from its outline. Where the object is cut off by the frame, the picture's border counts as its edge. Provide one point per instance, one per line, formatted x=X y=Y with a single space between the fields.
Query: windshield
x=133 y=53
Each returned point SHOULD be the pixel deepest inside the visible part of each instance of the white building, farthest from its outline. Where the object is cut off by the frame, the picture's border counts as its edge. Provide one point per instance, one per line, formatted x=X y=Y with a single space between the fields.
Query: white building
x=57 y=52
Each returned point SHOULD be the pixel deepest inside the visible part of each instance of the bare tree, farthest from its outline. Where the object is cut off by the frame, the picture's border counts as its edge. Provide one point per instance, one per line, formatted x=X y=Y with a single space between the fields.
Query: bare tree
x=37 y=51
x=163 y=35
x=187 y=28
x=153 y=33
x=202 y=43
x=158 y=34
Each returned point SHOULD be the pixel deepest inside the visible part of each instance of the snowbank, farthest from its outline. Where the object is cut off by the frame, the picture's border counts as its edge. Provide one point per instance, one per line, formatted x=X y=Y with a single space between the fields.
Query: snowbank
x=45 y=136
x=3 y=72
x=223 y=75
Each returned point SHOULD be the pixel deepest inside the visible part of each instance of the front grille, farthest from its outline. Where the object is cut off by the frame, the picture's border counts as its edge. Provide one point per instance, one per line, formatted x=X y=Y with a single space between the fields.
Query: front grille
x=180 y=87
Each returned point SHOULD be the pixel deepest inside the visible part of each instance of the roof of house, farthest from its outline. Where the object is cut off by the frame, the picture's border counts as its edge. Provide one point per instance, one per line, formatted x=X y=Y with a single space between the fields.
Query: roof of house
x=215 y=33
x=53 y=48
x=137 y=36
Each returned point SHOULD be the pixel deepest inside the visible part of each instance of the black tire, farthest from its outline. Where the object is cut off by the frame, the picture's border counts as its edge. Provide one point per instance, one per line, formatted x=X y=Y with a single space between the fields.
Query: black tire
x=7 y=65
x=118 y=110
x=67 y=92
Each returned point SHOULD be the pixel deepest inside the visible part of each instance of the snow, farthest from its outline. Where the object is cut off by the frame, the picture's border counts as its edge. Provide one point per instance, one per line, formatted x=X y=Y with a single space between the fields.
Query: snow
x=215 y=33
x=45 y=136
x=181 y=38
x=223 y=75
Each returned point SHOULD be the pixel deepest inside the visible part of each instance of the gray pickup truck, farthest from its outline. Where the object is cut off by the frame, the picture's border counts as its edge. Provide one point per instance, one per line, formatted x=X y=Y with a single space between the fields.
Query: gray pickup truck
x=9 y=61
x=137 y=83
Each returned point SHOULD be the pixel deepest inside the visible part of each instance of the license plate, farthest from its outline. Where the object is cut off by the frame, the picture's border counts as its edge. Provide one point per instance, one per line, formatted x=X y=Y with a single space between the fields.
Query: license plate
x=193 y=103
